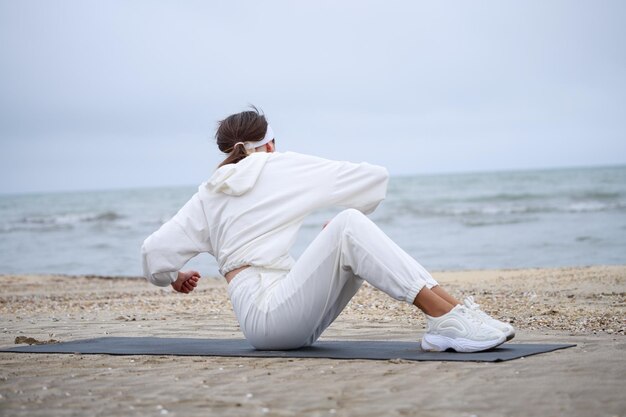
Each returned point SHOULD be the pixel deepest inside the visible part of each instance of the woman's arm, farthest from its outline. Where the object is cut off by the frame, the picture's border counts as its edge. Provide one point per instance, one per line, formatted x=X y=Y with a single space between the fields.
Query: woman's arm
x=360 y=186
x=175 y=243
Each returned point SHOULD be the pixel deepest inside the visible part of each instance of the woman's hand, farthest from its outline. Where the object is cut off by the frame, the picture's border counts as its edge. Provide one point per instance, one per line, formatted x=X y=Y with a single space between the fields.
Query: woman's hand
x=186 y=281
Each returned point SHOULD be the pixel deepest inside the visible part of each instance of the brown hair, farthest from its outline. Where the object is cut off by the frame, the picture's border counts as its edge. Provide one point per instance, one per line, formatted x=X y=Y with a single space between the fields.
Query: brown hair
x=241 y=127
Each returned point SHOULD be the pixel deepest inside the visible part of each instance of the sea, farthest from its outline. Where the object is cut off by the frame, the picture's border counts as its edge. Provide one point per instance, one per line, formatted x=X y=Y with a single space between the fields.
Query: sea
x=489 y=220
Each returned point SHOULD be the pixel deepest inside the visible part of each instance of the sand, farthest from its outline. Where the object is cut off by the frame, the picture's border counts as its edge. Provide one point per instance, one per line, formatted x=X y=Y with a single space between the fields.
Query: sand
x=584 y=305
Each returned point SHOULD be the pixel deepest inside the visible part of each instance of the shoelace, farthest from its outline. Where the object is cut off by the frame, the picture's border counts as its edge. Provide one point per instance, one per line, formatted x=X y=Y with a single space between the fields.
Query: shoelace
x=475 y=308
x=470 y=315
x=472 y=304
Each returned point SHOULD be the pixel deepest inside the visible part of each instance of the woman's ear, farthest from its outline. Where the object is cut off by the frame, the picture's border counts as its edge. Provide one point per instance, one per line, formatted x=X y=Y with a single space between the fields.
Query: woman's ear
x=270 y=147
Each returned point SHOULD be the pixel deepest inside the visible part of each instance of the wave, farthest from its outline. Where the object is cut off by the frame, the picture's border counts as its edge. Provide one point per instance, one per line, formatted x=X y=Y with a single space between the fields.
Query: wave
x=57 y=222
x=596 y=195
x=70 y=219
x=11 y=228
x=502 y=209
x=497 y=222
x=503 y=197
x=555 y=197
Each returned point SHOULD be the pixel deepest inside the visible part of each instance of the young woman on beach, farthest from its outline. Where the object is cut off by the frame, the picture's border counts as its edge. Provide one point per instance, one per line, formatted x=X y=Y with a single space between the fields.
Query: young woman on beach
x=247 y=215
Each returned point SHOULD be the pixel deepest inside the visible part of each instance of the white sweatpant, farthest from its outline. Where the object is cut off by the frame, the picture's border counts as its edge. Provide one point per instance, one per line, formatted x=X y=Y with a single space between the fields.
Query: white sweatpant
x=279 y=309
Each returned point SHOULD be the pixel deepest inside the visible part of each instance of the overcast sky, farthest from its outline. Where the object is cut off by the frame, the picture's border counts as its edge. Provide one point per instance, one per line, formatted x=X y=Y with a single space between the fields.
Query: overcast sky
x=108 y=94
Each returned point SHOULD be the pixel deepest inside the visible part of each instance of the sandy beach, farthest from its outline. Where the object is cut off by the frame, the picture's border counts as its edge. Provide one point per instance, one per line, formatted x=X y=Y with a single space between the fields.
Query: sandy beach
x=584 y=305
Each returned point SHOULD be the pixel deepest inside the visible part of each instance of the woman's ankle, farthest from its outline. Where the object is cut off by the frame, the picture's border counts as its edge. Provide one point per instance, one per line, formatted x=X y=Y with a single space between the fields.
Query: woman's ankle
x=431 y=304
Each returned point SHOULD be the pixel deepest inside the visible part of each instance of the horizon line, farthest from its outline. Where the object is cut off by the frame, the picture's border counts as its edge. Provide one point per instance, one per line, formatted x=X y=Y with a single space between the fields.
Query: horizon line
x=419 y=174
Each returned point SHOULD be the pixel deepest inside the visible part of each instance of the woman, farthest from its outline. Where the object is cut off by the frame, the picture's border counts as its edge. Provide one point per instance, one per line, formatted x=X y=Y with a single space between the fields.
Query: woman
x=247 y=215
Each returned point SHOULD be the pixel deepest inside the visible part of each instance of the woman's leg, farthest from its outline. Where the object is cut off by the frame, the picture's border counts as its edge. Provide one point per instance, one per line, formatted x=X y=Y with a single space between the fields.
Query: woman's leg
x=295 y=310
x=331 y=270
x=431 y=303
x=444 y=294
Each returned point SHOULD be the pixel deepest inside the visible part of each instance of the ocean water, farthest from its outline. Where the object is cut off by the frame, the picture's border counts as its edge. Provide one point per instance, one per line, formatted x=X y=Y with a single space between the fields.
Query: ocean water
x=539 y=218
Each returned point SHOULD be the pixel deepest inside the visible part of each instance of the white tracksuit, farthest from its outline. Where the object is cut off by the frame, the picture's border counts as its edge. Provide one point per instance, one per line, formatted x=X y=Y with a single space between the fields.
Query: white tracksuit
x=249 y=214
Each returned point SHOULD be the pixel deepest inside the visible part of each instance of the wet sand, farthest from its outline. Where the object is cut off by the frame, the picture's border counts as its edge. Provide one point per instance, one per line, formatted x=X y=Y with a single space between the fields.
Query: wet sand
x=585 y=306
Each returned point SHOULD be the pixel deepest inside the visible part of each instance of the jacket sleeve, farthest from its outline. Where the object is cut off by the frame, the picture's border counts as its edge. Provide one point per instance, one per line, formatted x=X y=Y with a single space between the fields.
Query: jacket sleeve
x=177 y=241
x=360 y=186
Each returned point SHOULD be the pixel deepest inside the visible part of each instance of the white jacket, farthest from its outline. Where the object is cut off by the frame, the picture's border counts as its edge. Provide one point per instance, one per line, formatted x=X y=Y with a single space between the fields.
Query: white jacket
x=249 y=213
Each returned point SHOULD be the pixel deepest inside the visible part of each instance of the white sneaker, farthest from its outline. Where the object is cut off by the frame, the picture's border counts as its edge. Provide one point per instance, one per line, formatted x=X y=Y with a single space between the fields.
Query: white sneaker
x=460 y=329
x=505 y=328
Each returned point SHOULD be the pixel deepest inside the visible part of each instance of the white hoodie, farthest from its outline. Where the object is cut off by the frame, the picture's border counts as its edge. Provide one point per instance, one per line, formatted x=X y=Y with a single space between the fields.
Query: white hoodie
x=249 y=213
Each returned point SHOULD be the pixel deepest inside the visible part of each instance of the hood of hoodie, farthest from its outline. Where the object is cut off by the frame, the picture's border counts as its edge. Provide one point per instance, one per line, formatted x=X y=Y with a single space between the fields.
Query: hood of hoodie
x=238 y=179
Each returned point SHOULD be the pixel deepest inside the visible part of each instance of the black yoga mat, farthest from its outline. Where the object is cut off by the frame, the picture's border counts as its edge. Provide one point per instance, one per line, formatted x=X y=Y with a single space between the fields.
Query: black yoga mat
x=334 y=349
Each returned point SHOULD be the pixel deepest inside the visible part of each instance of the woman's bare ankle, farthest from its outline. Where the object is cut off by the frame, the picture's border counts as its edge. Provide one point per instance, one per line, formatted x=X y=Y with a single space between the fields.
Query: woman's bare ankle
x=431 y=304
x=445 y=295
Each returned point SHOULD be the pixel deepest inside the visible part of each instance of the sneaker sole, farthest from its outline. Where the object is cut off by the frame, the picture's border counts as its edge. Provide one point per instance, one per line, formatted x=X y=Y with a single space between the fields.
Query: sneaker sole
x=438 y=343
